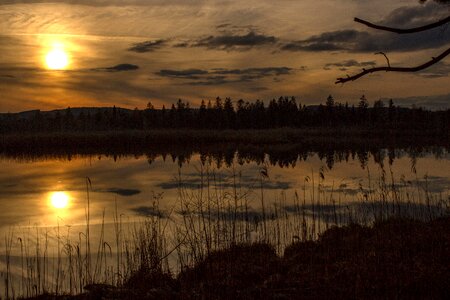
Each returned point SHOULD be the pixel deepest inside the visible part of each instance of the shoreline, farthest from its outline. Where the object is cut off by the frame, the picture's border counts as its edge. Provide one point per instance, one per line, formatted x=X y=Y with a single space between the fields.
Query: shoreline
x=193 y=137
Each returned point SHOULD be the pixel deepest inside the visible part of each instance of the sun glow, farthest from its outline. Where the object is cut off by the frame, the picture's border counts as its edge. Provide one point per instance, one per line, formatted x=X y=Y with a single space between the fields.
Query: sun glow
x=57 y=58
x=59 y=200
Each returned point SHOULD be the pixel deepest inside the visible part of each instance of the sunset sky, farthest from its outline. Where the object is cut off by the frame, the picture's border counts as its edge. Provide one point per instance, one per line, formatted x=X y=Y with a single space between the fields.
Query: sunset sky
x=60 y=53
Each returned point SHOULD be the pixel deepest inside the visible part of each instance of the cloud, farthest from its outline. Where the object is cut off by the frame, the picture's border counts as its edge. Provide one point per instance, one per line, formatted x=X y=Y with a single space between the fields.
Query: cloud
x=441 y=69
x=194 y=183
x=270 y=71
x=223 y=76
x=121 y=192
x=224 y=180
x=344 y=65
x=434 y=184
x=102 y=2
x=149 y=211
x=188 y=73
x=375 y=40
x=415 y=16
x=211 y=80
x=9 y=68
x=118 y=68
x=366 y=211
x=362 y=41
x=147 y=46
x=224 y=25
x=235 y=41
x=181 y=45
x=328 y=41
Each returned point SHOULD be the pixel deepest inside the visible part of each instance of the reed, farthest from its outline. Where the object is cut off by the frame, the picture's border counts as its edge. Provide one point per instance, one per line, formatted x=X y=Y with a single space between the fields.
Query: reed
x=218 y=214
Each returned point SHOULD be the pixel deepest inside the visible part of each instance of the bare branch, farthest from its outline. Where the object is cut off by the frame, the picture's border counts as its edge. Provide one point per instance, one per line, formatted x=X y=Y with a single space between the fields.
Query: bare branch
x=403 y=31
x=385 y=56
x=395 y=69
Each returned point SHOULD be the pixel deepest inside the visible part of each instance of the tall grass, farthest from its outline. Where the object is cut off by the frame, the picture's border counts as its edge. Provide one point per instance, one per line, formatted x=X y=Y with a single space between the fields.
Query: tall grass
x=219 y=213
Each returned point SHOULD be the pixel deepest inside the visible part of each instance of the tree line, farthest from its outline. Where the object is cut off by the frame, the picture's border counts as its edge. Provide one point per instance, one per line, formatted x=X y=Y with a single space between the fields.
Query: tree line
x=223 y=114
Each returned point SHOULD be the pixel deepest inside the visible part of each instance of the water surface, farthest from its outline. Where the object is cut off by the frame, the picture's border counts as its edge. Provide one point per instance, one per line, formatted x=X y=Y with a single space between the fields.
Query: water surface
x=28 y=186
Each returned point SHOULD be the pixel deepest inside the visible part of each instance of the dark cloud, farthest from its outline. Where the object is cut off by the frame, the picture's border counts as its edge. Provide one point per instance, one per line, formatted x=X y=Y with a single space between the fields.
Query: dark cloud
x=366 y=211
x=328 y=41
x=235 y=41
x=440 y=69
x=188 y=73
x=362 y=41
x=222 y=182
x=181 y=45
x=223 y=76
x=118 y=68
x=342 y=213
x=272 y=71
x=415 y=16
x=210 y=80
x=374 y=40
x=149 y=211
x=122 y=192
x=434 y=184
x=147 y=46
x=344 y=65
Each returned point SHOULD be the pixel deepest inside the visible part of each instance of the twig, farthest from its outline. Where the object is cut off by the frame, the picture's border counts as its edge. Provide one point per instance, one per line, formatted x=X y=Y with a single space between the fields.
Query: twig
x=385 y=56
x=395 y=69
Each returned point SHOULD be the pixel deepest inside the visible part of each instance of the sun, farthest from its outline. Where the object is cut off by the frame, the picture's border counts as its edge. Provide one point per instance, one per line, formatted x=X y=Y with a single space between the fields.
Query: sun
x=57 y=59
x=59 y=199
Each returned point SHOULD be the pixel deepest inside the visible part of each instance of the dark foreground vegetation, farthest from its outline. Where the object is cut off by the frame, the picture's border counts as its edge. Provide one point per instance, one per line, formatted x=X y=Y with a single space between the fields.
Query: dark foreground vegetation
x=394 y=259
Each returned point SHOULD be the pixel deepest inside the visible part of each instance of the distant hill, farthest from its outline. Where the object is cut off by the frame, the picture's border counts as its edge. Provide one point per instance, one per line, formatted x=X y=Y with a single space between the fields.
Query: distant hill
x=76 y=111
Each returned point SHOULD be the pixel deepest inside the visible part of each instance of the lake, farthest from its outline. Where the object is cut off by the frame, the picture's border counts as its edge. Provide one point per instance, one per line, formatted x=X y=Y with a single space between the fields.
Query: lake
x=132 y=182
x=50 y=201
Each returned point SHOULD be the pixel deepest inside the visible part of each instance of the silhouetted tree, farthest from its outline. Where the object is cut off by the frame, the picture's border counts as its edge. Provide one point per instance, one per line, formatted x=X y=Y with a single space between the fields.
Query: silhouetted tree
x=284 y=112
x=229 y=114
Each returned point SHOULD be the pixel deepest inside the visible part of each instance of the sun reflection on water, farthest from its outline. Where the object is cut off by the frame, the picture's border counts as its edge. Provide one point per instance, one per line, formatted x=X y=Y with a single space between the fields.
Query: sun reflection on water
x=59 y=200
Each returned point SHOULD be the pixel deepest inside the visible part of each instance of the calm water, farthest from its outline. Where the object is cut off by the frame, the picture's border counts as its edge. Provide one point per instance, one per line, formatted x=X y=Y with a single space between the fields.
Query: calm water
x=48 y=195
x=28 y=187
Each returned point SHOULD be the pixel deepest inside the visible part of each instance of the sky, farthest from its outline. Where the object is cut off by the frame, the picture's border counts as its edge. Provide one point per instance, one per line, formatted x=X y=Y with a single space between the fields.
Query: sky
x=129 y=52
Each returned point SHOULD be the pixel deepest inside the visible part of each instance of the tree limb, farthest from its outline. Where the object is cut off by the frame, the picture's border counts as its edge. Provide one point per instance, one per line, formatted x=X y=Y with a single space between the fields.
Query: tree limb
x=395 y=69
x=385 y=56
x=403 y=31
